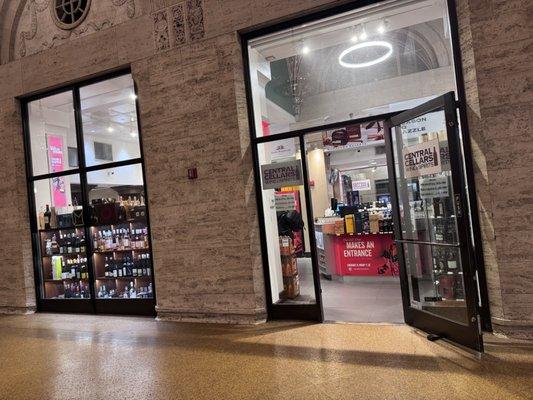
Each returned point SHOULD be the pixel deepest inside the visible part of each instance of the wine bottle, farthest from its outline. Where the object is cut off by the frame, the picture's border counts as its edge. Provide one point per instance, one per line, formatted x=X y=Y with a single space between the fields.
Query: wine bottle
x=47 y=217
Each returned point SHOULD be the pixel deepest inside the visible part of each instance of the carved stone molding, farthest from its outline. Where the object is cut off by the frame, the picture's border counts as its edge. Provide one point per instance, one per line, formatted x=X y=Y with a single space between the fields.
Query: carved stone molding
x=43 y=33
x=161 y=36
x=195 y=19
x=176 y=25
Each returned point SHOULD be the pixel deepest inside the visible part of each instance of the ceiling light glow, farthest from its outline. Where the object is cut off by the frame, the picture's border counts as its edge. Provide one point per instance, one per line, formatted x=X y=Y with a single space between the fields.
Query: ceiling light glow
x=363 y=45
x=110 y=129
x=305 y=50
x=381 y=29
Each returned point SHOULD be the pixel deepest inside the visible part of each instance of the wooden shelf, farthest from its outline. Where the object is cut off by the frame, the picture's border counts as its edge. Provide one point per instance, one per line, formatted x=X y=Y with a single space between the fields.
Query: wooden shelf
x=65 y=254
x=121 y=251
x=72 y=228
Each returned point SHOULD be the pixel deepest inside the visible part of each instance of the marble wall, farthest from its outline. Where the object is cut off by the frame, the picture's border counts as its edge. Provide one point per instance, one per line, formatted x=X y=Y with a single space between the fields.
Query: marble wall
x=186 y=59
x=497 y=48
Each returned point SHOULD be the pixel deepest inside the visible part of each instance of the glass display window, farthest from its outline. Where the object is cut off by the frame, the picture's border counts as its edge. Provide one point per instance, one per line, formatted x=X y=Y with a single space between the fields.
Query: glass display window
x=90 y=223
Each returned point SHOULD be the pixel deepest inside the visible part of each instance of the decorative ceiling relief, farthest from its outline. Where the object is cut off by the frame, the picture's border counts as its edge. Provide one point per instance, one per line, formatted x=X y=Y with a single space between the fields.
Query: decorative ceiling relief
x=178 y=24
x=66 y=20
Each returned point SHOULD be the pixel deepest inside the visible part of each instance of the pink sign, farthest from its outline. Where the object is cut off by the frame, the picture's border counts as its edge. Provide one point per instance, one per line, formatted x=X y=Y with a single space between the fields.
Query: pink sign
x=55 y=157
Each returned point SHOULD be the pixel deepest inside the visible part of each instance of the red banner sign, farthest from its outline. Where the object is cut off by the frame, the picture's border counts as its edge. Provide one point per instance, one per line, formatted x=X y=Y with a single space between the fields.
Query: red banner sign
x=366 y=255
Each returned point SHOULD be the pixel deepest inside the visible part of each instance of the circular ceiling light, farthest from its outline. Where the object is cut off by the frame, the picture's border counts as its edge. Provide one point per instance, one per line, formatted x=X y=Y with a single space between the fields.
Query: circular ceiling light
x=363 y=45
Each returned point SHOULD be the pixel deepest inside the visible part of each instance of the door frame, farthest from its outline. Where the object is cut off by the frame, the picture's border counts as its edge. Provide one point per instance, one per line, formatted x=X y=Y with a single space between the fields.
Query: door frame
x=469 y=334
x=247 y=34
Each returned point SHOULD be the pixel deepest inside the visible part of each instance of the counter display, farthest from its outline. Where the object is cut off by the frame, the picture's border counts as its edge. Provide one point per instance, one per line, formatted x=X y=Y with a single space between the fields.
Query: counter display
x=356 y=254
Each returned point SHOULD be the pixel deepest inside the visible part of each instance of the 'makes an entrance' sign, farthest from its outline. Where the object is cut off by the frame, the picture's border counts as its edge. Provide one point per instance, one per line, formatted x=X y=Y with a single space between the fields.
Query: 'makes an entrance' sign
x=283 y=174
x=422 y=159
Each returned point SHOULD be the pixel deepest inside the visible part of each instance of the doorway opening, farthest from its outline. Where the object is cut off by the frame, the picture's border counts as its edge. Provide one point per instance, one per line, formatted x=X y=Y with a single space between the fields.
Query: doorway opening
x=352 y=216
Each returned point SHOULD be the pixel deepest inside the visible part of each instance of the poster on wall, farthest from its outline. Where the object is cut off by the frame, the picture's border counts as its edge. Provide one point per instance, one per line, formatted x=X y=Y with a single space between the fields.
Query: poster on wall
x=370 y=255
x=361 y=185
x=421 y=159
x=55 y=162
x=283 y=174
x=353 y=136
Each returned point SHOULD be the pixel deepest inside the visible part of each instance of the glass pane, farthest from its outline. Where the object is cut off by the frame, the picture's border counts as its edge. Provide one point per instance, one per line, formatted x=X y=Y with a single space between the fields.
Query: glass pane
x=109 y=117
x=435 y=276
x=53 y=134
x=352 y=214
x=119 y=233
x=425 y=191
x=286 y=225
x=62 y=244
x=427 y=214
x=369 y=61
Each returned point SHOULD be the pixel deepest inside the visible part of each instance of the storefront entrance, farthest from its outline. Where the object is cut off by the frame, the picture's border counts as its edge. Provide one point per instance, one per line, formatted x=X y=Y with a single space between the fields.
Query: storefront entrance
x=367 y=210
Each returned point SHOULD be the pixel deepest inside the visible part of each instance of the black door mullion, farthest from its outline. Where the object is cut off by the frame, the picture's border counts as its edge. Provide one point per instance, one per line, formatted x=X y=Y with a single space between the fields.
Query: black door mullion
x=311 y=229
x=461 y=209
x=391 y=160
x=78 y=117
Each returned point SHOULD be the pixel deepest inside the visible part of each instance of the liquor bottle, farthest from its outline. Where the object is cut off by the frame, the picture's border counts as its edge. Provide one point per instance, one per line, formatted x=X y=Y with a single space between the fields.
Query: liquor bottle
x=133 y=292
x=107 y=272
x=134 y=270
x=78 y=269
x=69 y=244
x=83 y=246
x=47 y=217
x=54 y=246
x=114 y=269
x=76 y=244
x=126 y=239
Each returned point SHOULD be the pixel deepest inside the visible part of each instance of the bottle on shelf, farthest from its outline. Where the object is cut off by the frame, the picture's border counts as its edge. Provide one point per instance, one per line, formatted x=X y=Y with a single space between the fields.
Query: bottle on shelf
x=47 y=217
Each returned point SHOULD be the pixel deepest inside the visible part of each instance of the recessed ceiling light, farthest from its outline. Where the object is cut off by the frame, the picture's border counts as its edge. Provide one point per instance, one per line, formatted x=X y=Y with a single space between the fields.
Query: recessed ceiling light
x=363 y=36
x=354 y=39
x=110 y=129
x=133 y=134
x=381 y=29
x=133 y=96
x=305 y=50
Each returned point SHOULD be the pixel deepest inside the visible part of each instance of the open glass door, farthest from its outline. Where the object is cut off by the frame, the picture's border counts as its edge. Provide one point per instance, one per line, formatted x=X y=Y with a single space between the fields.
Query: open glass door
x=431 y=222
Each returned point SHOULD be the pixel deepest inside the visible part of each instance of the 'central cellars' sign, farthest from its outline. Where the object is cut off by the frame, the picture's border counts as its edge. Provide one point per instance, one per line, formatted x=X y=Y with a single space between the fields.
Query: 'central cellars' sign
x=422 y=159
x=283 y=174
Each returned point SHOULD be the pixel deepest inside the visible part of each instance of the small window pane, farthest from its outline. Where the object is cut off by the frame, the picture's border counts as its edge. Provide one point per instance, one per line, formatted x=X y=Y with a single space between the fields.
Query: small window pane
x=62 y=245
x=109 y=117
x=119 y=233
x=52 y=133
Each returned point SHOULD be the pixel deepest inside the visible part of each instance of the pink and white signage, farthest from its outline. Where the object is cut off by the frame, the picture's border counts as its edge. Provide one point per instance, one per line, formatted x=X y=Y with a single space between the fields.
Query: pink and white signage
x=55 y=158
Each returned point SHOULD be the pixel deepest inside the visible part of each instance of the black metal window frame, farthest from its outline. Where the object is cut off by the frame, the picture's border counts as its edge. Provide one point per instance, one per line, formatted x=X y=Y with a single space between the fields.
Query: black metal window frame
x=92 y=305
x=276 y=311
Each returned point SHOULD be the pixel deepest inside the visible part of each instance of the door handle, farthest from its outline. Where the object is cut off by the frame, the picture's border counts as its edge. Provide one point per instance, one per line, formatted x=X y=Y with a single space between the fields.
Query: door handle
x=458 y=205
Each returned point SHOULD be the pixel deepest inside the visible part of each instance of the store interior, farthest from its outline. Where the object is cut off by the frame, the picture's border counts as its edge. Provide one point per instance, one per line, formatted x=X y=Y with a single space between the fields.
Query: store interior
x=376 y=60
x=115 y=239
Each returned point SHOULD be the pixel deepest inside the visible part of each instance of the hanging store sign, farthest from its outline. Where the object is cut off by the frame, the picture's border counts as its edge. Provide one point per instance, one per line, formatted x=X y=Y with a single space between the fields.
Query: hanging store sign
x=431 y=188
x=422 y=159
x=361 y=185
x=282 y=174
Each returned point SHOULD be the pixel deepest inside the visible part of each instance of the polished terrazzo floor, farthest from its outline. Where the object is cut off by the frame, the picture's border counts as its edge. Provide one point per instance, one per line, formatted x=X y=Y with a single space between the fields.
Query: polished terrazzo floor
x=46 y=356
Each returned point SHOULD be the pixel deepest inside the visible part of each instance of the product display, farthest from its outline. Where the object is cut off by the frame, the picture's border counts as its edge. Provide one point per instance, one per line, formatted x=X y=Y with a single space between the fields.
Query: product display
x=291 y=280
x=64 y=263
